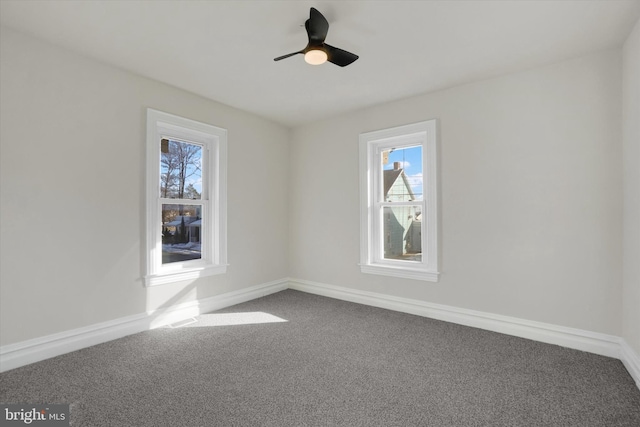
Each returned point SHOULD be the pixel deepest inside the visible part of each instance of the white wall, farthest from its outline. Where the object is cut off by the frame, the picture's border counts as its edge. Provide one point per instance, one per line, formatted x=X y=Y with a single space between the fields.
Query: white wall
x=72 y=135
x=631 y=151
x=531 y=195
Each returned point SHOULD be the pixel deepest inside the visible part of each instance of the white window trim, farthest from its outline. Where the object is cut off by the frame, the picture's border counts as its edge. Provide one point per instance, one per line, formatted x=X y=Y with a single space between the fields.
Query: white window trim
x=371 y=259
x=214 y=196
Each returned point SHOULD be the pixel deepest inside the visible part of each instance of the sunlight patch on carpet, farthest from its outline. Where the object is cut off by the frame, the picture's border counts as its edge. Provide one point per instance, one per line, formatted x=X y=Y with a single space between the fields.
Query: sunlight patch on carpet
x=230 y=319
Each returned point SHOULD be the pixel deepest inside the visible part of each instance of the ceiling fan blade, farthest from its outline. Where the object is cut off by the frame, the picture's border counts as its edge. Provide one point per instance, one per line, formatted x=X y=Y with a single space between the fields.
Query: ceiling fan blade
x=339 y=57
x=317 y=27
x=287 y=55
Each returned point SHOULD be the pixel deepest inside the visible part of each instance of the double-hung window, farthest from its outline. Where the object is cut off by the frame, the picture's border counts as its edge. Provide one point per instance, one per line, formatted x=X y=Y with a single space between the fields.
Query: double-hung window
x=186 y=199
x=399 y=202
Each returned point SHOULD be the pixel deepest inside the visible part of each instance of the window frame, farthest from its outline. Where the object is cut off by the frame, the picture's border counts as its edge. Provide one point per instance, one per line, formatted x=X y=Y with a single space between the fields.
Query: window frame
x=213 y=141
x=372 y=144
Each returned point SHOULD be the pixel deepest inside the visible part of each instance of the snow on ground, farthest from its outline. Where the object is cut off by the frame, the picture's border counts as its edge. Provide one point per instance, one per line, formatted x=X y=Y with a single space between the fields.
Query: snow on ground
x=181 y=247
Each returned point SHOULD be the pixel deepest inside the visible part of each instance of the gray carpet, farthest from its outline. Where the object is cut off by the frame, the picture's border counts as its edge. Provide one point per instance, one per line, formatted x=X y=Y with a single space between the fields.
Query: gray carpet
x=332 y=363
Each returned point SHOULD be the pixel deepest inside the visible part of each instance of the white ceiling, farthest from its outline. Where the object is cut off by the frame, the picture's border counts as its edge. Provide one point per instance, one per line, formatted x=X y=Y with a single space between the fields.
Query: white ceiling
x=224 y=50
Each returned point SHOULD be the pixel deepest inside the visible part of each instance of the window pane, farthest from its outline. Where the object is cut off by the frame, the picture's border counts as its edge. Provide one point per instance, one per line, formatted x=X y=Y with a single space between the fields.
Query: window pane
x=402 y=174
x=181 y=233
x=402 y=233
x=180 y=170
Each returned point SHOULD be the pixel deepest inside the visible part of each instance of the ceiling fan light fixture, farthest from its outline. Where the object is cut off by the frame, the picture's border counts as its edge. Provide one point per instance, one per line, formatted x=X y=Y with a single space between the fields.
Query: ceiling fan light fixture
x=316 y=57
x=317 y=51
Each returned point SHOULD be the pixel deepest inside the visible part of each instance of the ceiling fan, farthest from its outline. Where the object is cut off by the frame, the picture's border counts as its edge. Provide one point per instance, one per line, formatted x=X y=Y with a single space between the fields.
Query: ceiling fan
x=317 y=51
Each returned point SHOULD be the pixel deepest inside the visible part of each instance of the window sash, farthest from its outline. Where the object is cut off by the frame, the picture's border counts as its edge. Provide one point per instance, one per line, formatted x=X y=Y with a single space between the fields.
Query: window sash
x=204 y=164
x=212 y=202
x=207 y=251
x=379 y=236
x=372 y=145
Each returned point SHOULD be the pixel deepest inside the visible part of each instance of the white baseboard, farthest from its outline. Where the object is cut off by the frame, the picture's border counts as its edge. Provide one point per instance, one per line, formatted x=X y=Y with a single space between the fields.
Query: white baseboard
x=592 y=342
x=34 y=350
x=37 y=349
x=631 y=361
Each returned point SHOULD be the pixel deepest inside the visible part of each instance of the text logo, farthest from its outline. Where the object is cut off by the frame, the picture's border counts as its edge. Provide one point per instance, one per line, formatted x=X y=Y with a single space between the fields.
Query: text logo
x=34 y=415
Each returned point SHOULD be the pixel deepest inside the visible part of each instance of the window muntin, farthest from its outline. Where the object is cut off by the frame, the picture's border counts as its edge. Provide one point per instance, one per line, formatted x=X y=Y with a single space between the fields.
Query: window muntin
x=186 y=188
x=398 y=201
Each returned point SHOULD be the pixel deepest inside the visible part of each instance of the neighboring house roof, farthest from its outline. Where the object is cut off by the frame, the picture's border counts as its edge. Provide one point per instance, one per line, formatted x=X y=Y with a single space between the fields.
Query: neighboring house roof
x=390 y=176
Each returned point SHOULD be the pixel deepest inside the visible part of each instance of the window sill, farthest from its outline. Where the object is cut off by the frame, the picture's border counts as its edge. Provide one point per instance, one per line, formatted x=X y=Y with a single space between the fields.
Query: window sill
x=402 y=272
x=186 y=274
